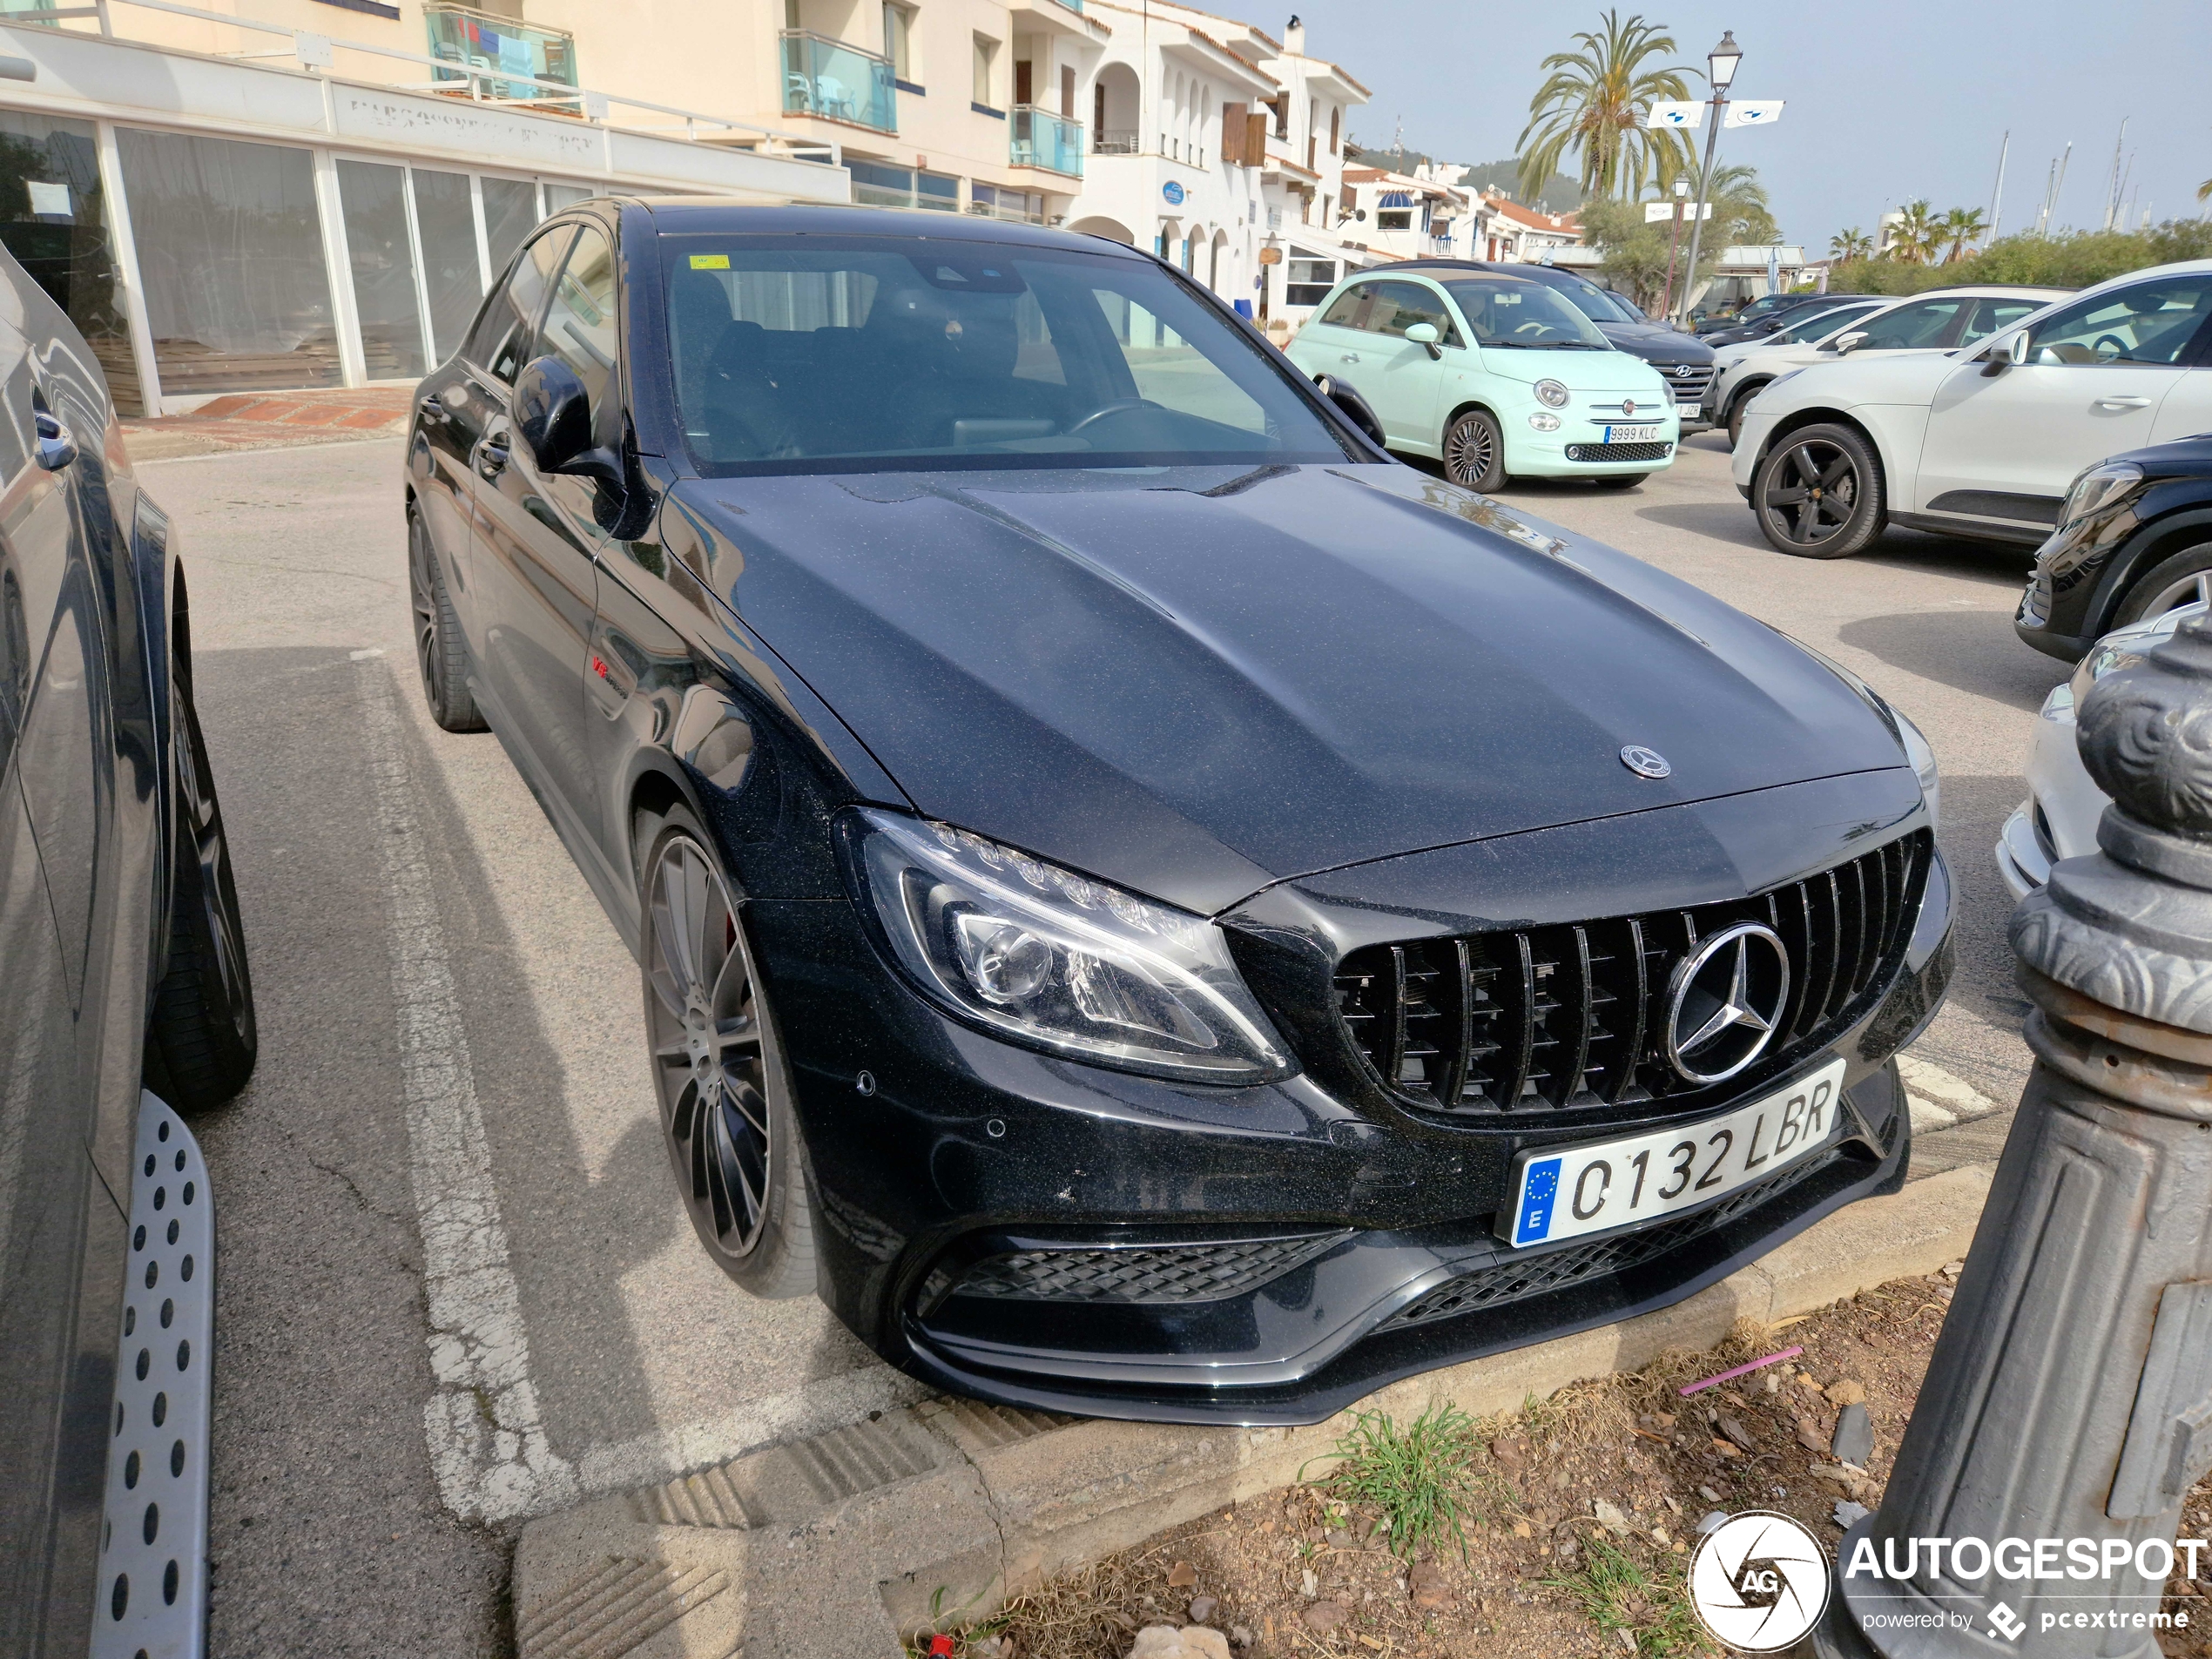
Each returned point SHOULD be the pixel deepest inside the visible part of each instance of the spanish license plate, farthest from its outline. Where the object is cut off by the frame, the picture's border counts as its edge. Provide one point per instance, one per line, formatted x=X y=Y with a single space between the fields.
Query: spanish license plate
x=1632 y=435
x=1565 y=1192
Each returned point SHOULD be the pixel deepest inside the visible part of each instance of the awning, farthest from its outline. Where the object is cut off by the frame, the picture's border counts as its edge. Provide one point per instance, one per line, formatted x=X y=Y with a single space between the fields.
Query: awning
x=1397 y=199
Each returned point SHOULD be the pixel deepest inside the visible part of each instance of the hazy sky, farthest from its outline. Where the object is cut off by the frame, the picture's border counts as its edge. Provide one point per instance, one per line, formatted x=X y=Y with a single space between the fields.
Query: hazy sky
x=1886 y=101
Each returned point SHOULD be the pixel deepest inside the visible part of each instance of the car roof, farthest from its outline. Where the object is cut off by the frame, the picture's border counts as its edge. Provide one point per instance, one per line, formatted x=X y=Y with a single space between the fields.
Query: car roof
x=700 y=215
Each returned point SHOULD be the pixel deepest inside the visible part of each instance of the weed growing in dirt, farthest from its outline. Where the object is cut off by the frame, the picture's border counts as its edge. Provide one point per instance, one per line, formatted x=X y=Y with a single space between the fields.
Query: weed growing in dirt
x=1420 y=1478
x=1616 y=1593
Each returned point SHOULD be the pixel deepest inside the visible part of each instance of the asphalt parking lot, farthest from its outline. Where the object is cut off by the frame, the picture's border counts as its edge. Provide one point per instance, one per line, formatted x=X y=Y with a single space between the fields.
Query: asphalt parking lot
x=450 y=1028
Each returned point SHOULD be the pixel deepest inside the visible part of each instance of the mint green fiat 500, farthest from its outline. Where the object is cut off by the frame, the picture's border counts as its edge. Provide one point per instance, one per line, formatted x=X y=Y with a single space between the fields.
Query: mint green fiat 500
x=1496 y=376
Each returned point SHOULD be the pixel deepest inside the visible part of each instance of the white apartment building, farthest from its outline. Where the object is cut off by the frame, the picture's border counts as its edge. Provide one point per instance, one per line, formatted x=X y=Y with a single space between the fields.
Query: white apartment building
x=1518 y=232
x=1426 y=214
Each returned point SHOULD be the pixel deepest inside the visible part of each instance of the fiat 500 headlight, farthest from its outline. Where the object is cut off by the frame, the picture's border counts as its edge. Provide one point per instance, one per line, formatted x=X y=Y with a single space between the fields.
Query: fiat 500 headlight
x=1056 y=961
x=1551 y=394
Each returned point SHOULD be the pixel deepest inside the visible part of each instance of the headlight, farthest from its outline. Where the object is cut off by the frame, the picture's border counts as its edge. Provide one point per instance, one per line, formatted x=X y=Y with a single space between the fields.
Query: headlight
x=2098 y=488
x=1544 y=423
x=1051 y=959
x=1551 y=394
x=1921 y=753
x=2104 y=657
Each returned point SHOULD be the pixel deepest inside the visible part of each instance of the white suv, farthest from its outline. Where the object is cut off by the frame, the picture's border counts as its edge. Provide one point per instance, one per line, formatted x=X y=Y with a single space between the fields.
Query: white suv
x=1982 y=441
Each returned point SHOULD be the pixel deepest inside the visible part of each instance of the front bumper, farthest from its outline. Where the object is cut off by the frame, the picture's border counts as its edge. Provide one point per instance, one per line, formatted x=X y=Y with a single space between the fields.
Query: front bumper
x=1267 y=1254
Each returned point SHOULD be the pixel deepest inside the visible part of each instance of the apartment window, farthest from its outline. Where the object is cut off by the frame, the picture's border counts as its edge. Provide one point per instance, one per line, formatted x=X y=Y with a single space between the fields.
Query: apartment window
x=1281 y=108
x=1394 y=219
x=987 y=52
x=1336 y=127
x=1067 y=92
x=791 y=15
x=898 y=40
x=1098 y=107
x=1024 y=81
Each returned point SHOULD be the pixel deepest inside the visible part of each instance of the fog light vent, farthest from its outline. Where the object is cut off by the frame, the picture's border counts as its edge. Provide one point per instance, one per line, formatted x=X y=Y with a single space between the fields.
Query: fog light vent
x=1139 y=1275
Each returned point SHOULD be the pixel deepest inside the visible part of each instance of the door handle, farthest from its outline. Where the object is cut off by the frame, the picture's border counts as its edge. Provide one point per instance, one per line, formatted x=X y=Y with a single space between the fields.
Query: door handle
x=57 y=447
x=434 y=405
x=2128 y=401
x=492 y=455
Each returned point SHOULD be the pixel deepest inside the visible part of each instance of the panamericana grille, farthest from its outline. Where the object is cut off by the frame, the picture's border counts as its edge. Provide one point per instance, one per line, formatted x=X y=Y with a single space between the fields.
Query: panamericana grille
x=1210 y=1272
x=1619 y=451
x=1518 y=1279
x=1571 y=1017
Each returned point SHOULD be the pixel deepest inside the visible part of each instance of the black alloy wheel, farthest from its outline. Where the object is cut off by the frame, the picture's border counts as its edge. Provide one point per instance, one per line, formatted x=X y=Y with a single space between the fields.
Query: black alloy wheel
x=2182 y=578
x=204 y=1037
x=1474 y=452
x=719 y=1070
x=1817 y=494
x=441 y=653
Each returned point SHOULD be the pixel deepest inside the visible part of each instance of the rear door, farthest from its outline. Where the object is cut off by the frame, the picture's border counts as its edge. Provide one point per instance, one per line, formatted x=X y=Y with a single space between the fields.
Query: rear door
x=2003 y=442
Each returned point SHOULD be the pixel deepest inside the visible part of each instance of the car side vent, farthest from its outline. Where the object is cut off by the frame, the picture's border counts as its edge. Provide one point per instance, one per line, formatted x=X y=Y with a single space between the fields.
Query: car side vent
x=1570 y=1016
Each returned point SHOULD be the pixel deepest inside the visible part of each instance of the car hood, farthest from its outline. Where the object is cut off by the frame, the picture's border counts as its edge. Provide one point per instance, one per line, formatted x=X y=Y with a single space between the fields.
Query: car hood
x=1579 y=371
x=1903 y=377
x=1655 y=343
x=1193 y=682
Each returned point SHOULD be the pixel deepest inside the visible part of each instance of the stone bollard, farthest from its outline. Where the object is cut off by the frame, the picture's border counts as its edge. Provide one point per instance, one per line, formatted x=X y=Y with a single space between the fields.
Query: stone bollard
x=2070 y=1394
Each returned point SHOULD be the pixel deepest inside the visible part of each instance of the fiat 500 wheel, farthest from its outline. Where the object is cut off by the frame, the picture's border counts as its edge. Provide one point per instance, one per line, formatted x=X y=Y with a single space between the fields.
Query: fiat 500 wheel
x=1475 y=451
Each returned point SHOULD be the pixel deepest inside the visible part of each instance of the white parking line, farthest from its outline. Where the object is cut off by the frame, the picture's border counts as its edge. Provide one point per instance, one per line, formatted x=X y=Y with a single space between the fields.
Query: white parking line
x=487 y=1442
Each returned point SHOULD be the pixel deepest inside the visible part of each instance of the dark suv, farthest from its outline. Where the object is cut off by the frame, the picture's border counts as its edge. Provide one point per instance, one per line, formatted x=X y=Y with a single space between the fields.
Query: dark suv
x=1684 y=363
x=2134 y=541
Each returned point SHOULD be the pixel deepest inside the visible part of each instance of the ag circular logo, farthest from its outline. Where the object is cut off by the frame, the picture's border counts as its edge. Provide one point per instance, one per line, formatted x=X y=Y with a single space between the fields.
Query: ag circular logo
x=1759 y=1582
x=1173 y=192
x=1725 y=999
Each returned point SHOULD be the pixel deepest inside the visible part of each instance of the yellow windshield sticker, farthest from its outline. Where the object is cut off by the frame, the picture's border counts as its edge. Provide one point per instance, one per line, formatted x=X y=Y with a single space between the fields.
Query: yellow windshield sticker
x=710 y=261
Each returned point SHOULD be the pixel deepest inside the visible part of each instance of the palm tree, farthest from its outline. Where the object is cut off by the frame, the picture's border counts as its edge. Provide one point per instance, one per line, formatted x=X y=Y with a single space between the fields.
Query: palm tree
x=1960 y=226
x=1594 y=103
x=1916 y=234
x=1853 y=244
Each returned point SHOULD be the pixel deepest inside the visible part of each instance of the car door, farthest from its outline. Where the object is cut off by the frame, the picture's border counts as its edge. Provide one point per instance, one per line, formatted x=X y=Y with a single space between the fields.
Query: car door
x=2187 y=406
x=1396 y=375
x=533 y=542
x=2003 y=439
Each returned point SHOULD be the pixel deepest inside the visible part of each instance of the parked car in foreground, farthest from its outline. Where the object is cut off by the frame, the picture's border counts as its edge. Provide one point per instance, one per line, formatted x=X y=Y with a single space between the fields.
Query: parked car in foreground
x=1496 y=375
x=2059 y=818
x=1942 y=320
x=1684 y=362
x=2133 y=542
x=122 y=969
x=1982 y=441
x=1148 y=905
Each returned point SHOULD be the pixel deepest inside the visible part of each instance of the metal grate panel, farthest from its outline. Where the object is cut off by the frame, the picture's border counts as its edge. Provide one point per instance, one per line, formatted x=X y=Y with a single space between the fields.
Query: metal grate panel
x=1164 y=1274
x=1517 y=1279
x=153 y=1548
x=1570 y=1016
x=1619 y=451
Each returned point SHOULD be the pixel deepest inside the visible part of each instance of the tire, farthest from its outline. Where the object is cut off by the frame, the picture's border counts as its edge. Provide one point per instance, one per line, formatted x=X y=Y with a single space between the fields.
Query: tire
x=1474 y=452
x=441 y=652
x=1737 y=405
x=2182 y=578
x=1620 y=479
x=203 y=1039
x=719 y=1071
x=1819 y=493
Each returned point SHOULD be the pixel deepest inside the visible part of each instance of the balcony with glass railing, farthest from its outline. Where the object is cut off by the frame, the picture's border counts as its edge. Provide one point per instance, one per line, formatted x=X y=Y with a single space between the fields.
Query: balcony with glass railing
x=1040 y=139
x=479 y=40
x=828 y=79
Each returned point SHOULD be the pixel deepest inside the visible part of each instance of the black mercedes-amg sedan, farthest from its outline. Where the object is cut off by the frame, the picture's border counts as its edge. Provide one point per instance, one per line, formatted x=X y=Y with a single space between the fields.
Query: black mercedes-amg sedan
x=1147 y=905
x=124 y=999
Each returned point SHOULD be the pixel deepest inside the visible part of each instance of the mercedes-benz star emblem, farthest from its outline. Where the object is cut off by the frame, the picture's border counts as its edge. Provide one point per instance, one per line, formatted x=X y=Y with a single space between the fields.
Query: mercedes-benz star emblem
x=1645 y=763
x=1724 y=1000
x=1627 y=406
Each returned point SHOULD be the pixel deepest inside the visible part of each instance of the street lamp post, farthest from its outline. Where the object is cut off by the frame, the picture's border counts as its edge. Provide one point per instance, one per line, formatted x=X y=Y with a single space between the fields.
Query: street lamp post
x=1667 y=299
x=1720 y=63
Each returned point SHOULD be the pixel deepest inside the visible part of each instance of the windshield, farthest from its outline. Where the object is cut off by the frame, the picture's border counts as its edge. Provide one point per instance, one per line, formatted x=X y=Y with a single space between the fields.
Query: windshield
x=1824 y=321
x=1503 y=311
x=845 y=353
x=1602 y=305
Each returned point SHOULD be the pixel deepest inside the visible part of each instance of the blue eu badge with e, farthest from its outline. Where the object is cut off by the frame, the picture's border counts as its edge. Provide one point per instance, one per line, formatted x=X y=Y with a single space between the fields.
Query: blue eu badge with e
x=1539 y=1192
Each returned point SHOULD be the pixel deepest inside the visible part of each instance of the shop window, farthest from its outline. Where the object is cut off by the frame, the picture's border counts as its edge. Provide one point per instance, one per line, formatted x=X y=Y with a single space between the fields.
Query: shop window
x=54 y=220
x=511 y=214
x=372 y=198
x=231 y=263
x=453 y=272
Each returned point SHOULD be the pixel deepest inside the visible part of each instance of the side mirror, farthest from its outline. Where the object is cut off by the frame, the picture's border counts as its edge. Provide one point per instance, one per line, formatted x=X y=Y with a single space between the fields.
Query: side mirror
x=1845 y=344
x=553 y=415
x=2019 y=347
x=1424 y=334
x=1354 y=406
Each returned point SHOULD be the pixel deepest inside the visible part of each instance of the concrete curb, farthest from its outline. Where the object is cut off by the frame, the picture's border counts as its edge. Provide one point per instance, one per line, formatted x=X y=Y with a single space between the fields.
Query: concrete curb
x=831 y=1547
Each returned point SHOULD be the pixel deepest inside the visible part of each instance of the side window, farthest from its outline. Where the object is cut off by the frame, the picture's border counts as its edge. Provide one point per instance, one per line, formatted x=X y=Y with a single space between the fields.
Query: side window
x=580 y=325
x=1400 y=305
x=1922 y=325
x=1344 y=311
x=500 y=343
x=1990 y=315
x=2150 y=322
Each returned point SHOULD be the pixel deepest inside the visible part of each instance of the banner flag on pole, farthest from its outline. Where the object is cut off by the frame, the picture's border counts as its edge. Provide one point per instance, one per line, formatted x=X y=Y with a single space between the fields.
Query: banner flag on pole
x=1753 y=112
x=1660 y=213
x=1675 y=115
